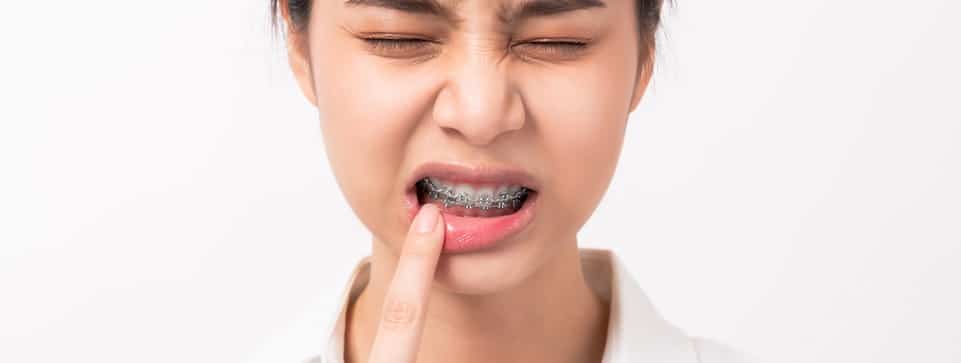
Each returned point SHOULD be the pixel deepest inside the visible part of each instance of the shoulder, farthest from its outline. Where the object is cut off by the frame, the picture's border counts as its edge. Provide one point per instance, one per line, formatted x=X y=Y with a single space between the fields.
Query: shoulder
x=711 y=351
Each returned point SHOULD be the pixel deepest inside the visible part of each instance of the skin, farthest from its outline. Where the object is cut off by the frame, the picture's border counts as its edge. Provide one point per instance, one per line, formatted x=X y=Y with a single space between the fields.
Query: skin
x=479 y=93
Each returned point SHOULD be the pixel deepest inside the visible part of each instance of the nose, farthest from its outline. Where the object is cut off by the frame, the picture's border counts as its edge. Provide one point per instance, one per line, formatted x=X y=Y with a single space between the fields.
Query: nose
x=479 y=101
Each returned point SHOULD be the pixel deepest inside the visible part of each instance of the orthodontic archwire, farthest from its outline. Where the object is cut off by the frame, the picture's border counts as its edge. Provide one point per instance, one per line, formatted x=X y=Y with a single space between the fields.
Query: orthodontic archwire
x=446 y=194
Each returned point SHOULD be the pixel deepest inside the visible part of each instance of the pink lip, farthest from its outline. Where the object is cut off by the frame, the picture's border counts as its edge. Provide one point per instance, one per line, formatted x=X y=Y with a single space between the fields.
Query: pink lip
x=465 y=234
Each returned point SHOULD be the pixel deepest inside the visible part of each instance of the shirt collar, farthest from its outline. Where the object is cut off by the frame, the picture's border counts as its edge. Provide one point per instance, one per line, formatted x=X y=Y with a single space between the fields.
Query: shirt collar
x=636 y=331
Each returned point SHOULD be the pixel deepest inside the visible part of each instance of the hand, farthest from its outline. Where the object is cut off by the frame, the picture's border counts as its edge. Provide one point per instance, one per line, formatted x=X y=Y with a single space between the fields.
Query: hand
x=405 y=305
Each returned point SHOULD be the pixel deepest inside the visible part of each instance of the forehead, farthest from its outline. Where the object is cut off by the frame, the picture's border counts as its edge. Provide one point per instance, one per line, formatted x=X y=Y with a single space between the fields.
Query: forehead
x=508 y=11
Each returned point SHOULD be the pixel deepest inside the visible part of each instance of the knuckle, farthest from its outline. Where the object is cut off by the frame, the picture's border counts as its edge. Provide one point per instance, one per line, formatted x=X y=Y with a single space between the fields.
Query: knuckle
x=399 y=314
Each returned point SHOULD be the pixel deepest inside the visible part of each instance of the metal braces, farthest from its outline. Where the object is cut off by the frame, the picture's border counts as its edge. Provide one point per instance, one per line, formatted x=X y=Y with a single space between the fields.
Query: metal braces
x=446 y=195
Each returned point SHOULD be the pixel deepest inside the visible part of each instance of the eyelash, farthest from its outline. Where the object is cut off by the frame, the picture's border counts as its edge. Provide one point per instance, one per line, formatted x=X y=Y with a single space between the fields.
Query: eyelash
x=564 y=47
x=395 y=43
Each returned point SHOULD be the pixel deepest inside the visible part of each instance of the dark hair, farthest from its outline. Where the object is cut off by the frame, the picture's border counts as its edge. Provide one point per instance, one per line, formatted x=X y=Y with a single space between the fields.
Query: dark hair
x=648 y=17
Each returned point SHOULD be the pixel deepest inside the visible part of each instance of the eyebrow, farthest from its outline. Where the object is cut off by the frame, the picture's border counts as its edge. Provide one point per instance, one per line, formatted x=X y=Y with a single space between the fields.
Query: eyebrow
x=540 y=8
x=506 y=13
x=430 y=7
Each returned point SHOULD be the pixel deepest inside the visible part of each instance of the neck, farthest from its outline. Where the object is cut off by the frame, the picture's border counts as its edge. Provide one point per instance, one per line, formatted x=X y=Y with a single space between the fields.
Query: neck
x=552 y=316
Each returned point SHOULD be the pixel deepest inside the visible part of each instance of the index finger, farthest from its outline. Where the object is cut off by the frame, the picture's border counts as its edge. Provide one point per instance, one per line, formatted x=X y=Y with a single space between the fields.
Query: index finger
x=402 y=317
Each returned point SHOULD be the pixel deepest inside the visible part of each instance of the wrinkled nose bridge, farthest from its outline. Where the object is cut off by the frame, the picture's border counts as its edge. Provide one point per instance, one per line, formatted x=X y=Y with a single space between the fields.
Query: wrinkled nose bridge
x=479 y=99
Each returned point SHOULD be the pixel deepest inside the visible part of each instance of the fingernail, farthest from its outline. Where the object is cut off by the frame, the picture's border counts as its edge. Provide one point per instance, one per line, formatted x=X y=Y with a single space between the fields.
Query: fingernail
x=426 y=220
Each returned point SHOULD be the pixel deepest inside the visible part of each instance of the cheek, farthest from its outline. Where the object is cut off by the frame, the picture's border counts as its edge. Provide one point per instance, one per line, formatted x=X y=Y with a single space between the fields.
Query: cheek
x=367 y=116
x=581 y=119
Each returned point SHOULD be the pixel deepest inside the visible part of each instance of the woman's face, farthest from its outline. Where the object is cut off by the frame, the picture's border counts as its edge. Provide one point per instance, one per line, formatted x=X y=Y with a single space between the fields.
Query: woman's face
x=477 y=90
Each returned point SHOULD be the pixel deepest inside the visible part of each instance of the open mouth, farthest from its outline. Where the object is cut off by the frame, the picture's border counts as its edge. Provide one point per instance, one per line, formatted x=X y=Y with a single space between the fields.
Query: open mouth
x=472 y=200
x=483 y=206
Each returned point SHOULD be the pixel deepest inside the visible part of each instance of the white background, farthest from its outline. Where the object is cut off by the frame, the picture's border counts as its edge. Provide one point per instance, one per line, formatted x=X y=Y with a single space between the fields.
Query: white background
x=790 y=185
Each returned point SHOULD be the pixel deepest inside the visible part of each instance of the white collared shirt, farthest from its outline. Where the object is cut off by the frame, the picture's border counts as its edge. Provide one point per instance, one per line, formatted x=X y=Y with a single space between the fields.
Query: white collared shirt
x=636 y=331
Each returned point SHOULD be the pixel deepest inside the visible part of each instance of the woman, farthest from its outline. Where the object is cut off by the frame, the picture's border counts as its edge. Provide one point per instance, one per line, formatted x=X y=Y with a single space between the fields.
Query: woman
x=474 y=138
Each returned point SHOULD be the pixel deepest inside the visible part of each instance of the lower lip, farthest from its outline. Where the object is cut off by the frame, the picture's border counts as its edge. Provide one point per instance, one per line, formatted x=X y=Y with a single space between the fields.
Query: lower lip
x=469 y=234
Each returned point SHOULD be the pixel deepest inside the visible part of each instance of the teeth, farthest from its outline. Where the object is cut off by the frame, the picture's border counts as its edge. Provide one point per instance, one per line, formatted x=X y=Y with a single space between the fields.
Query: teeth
x=485 y=192
x=461 y=189
x=481 y=197
x=475 y=192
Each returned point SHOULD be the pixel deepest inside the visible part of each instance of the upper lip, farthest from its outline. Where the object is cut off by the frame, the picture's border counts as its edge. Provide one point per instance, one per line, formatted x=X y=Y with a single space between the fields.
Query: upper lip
x=474 y=174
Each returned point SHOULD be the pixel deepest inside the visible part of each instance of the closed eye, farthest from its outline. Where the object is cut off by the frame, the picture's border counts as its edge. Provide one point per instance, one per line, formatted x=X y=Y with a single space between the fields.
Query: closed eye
x=553 y=50
x=407 y=47
x=561 y=45
x=403 y=47
x=391 y=44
